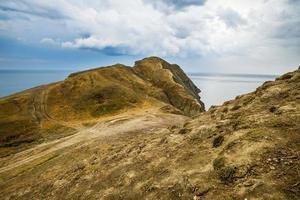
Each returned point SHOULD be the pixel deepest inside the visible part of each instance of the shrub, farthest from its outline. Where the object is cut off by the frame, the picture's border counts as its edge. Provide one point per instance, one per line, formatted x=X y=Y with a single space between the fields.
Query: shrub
x=219 y=163
x=272 y=109
x=218 y=141
x=226 y=174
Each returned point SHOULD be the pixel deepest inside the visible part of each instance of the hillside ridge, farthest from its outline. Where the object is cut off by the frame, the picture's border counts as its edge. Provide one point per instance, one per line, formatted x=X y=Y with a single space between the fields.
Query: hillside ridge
x=56 y=110
x=247 y=148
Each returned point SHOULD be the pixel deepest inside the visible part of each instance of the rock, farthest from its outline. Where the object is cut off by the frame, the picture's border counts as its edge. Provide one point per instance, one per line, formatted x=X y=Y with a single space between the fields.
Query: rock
x=181 y=92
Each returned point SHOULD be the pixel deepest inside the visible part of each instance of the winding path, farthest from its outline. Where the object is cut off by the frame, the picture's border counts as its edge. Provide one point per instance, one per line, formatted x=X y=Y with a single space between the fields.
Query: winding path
x=40 y=113
x=117 y=125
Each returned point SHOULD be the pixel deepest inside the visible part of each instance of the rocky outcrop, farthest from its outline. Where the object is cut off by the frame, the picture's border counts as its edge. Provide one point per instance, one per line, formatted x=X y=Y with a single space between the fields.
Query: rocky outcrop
x=180 y=90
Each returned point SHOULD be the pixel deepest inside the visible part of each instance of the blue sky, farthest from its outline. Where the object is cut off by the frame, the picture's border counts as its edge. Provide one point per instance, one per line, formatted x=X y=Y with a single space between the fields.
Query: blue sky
x=236 y=36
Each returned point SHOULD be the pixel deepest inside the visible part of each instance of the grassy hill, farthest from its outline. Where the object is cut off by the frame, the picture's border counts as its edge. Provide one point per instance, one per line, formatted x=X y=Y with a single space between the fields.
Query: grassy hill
x=60 y=109
x=247 y=148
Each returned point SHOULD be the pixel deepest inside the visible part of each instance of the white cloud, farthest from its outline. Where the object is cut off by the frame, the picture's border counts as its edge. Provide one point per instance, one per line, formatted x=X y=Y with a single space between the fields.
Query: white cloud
x=165 y=28
x=49 y=41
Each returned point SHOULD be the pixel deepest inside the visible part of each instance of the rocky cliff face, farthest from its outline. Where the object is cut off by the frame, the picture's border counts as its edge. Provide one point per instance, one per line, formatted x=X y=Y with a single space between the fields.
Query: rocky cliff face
x=179 y=89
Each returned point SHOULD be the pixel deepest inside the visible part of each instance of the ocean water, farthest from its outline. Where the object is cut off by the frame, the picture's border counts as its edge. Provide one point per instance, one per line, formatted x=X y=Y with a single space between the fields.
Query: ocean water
x=12 y=81
x=215 y=88
x=218 y=88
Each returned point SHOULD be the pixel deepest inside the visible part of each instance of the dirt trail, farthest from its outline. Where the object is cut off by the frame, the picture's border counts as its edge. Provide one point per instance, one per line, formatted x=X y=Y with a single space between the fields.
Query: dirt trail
x=39 y=110
x=119 y=125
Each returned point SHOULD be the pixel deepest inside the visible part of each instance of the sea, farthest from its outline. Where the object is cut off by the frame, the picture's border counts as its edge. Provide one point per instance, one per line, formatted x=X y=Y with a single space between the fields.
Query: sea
x=218 y=88
x=215 y=87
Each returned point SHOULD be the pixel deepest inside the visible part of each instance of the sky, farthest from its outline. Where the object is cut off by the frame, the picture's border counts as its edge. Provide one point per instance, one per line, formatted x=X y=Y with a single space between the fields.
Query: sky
x=224 y=36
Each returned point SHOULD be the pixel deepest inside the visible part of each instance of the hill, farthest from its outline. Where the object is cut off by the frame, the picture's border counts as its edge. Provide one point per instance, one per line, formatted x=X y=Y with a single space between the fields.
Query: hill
x=60 y=109
x=247 y=148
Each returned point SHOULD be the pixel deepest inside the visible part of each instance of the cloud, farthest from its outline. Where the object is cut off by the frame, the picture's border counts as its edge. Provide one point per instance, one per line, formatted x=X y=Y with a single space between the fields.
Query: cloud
x=22 y=7
x=49 y=41
x=94 y=44
x=174 y=4
x=187 y=28
x=231 y=18
x=184 y=3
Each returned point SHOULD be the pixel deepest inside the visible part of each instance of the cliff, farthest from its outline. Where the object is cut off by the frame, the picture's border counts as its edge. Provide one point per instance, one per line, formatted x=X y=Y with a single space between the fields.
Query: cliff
x=178 y=88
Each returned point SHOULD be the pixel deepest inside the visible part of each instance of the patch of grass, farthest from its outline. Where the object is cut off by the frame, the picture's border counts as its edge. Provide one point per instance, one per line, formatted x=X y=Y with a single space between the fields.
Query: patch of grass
x=225 y=110
x=235 y=107
x=56 y=132
x=184 y=131
x=280 y=122
x=23 y=140
x=106 y=109
x=285 y=76
x=12 y=130
x=89 y=124
x=256 y=134
x=230 y=145
x=16 y=143
x=219 y=163
x=196 y=138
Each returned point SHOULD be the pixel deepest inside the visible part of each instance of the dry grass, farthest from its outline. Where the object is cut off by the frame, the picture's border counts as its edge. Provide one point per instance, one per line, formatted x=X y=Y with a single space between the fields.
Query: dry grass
x=229 y=152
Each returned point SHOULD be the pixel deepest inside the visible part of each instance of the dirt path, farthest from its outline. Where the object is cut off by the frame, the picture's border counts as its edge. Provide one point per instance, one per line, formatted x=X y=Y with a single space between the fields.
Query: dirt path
x=118 y=125
x=40 y=113
x=38 y=107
